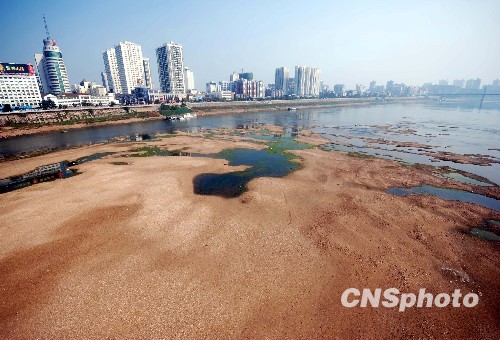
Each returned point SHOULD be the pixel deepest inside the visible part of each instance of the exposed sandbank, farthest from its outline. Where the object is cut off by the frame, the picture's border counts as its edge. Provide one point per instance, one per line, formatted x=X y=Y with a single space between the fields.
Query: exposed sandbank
x=131 y=251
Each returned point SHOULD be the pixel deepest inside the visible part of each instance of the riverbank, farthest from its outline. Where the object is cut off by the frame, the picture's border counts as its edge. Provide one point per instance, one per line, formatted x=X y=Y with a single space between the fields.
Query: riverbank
x=127 y=249
x=61 y=120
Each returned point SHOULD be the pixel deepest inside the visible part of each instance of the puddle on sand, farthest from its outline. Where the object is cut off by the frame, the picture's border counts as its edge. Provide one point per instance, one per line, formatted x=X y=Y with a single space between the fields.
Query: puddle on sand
x=271 y=162
x=448 y=195
x=262 y=164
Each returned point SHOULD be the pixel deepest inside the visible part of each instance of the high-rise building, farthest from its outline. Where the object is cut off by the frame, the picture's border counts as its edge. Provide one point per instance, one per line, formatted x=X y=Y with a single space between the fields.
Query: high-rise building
x=104 y=79
x=234 y=77
x=360 y=89
x=373 y=83
x=125 y=68
x=147 y=73
x=473 y=84
x=246 y=75
x=307 y=81
x=339 y=90
x=130 y=66
x=51 y=69
x=171 y=68
x=18 y=86
x=443 y=82
x=476 y=84
x=188 y=79
x=459 y=83
x=111 y=70
x=290 y=87
x=281 y=79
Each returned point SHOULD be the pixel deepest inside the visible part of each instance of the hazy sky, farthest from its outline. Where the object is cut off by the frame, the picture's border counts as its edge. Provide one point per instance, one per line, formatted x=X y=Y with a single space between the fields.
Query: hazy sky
x=351 y=41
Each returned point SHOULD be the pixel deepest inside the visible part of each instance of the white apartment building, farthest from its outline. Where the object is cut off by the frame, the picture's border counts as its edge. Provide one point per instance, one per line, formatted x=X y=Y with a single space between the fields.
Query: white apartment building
x=307 y=81
x=125 y=68
x=188 y=79
x=130 y=66
x=171 y=68
x=18 y=86
x=51 y=69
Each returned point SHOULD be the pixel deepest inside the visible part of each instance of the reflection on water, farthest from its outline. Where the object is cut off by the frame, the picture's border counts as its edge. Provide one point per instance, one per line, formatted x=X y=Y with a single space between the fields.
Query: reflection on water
x=449 y=195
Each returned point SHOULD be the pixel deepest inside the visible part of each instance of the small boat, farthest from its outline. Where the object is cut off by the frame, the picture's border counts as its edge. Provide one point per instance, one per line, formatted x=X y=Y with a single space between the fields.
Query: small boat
x=64 y=131
x=292 y=109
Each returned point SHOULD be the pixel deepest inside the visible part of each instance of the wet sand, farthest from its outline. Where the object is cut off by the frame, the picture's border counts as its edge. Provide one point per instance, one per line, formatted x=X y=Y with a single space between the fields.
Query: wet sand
x=130 y=251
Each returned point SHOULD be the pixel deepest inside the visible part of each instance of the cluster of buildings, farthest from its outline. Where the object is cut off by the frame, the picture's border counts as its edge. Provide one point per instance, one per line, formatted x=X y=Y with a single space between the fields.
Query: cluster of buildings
x=305 y=84
x=127 y=79
x=242 y=86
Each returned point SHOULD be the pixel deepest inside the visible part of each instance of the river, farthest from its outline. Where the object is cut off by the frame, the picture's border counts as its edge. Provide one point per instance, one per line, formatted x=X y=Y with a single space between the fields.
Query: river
x=449 y=126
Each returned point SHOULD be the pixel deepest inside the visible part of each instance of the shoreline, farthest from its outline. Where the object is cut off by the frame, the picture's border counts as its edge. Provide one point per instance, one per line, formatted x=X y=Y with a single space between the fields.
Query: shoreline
x=209 y=109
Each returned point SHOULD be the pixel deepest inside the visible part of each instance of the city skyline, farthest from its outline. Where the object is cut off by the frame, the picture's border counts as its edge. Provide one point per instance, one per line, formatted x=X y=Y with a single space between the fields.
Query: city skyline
x=410 y=43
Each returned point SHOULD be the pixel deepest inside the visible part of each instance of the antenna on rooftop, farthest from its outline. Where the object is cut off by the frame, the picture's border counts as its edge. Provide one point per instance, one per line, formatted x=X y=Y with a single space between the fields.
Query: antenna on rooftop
x=46 y=27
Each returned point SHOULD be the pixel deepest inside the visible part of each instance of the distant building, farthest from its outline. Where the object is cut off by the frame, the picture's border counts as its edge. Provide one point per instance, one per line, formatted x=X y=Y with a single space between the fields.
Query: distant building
x=246 y=75
x=188 y=79
x=378 y=89
x=373 y=83
x=147 y=73
x=171 y=68
x=473 y=84
x=290 y=88
x=307 y=81
x=281 y=76
x=222 y=95
x=476 y=84
x=360 y=89
x=339 y=90
x=224 y=85
x=51 y=69
x=104 y=79
x=443 y=82
x=496 y=82
x=234 y=77
x=249 y=88
x=212 y=86
x=79 y=99
x=459 y=83
x=18 y=86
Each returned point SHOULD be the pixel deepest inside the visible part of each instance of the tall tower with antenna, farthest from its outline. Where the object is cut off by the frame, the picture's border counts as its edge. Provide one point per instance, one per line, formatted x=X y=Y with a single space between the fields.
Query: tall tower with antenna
x=50 y=66
x=46 y=27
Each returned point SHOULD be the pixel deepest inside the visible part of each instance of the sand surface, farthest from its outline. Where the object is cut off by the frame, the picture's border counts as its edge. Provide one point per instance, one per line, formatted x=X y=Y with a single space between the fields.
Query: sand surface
x=129 y=251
